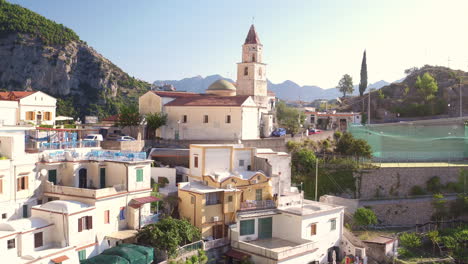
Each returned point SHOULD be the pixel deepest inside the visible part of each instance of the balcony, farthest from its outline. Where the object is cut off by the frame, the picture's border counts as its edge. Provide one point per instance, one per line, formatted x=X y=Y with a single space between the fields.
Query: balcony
x=252 y=204
x=275 y=248
x=83 y=192
x=97 y=155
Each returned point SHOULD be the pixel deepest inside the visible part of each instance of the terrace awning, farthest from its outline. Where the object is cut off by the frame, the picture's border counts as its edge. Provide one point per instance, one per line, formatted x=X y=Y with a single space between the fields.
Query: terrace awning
x=138 y=202
x=59 y=259
x=237 y=254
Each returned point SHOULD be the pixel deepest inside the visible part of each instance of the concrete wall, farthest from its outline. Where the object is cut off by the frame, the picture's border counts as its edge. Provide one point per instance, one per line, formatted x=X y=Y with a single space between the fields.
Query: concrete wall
x=123 y=145
x=398 y=181
x=168 y=173
x=9 y=110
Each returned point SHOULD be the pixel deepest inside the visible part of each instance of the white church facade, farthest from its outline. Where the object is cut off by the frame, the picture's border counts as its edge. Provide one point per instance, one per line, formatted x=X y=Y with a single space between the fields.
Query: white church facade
x=226 y=111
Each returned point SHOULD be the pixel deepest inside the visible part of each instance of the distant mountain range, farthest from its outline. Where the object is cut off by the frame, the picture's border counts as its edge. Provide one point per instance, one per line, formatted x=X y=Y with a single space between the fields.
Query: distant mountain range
x=287 y=90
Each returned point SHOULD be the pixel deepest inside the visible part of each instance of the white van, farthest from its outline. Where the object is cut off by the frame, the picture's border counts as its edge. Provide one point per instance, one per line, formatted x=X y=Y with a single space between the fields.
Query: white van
x=93 y=137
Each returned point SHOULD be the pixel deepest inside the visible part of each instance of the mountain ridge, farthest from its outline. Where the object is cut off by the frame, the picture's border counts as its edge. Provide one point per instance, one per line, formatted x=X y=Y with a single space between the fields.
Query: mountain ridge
x=286 y=90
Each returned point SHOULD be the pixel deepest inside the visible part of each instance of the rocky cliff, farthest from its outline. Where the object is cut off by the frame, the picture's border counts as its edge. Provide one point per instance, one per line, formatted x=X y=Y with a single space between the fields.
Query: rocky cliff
x=38 y=54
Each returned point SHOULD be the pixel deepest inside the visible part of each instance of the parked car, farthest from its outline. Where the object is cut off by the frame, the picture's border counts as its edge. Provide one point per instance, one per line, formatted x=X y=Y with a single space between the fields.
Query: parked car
x=279 y=132
x=314 y=131
x=93 y=137
x=113 y=136
x=126 y=138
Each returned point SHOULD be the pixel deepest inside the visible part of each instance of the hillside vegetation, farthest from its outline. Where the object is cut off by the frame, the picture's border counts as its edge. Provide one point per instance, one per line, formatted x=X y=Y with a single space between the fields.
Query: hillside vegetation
x=416 y=96
x=39 y=54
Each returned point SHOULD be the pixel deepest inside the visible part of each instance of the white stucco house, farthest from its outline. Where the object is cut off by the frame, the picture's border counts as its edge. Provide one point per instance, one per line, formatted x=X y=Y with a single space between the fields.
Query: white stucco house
x=226 y=111
x=68 y=201
x=21 y=107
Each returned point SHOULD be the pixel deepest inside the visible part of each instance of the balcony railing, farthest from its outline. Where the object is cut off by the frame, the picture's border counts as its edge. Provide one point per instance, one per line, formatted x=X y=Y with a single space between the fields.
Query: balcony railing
x=273 y=253
x=264 y=204
x=68 y=145
x=215 y=243
x=84 y=192
x=98 y=155
x=148 y=219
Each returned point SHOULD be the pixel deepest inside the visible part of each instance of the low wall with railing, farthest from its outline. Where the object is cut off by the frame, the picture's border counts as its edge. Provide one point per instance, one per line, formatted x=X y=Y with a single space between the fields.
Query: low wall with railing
x=272 y=254
x=250 y=205
x=136 y=145
x=83 y=192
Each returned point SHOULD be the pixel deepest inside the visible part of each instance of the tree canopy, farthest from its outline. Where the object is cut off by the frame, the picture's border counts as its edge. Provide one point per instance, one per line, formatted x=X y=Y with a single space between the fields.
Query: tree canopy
x=363 y=82
x=168 y=234
x=364 y=217
x=155 y=121
x=427 y=86
x=129 y=116
x=350 y=146
x=17 y=19
x=346 y=85
x=289 y=117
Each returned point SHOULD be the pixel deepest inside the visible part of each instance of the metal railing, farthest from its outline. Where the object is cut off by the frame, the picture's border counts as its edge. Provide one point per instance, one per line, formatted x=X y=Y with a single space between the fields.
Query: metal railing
x=190 y=247
x=68 y=145
x=215 y=243
x=252 y=204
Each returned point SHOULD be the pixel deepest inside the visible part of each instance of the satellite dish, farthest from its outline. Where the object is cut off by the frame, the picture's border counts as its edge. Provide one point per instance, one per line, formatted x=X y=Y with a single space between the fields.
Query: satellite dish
x=43 y=172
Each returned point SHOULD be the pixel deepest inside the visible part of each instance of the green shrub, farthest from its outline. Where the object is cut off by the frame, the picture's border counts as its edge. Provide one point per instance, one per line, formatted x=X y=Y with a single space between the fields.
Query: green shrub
x=417 y=190
x=46 y=126
x=410 y=240
x=69 y=126
x=433 y=185
x=364 y=217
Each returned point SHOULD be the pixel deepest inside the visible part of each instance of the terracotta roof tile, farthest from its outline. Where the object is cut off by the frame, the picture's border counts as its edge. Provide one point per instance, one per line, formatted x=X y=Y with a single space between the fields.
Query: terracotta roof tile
x=209 y=101
x=175 y=94
x=252 y=37
x=14 y=95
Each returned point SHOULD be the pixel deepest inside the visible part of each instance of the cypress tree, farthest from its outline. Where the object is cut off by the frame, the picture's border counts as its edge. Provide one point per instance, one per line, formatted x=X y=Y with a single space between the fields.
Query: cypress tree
x=363 y=82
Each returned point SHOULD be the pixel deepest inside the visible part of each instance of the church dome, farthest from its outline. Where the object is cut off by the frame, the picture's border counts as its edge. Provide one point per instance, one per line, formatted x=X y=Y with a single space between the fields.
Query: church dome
x=222 y=88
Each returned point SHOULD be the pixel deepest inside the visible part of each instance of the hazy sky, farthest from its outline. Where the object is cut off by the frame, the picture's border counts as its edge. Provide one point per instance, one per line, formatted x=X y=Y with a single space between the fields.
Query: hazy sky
x=308 y=42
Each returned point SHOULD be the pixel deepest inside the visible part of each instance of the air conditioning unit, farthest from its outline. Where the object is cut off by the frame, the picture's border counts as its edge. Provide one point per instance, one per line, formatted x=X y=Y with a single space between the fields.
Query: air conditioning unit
x=215 y=218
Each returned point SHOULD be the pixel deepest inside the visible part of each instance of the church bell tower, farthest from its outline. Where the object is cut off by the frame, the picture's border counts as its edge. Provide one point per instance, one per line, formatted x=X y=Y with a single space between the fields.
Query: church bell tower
x=251 y=72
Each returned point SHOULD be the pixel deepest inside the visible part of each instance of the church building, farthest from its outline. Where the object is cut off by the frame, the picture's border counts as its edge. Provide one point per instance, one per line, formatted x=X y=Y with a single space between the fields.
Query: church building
x=226 y=111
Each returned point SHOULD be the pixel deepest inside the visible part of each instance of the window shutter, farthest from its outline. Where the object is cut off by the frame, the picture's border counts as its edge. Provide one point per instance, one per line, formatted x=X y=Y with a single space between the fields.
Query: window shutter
x=80 y=224
x=18 y=184
x=89 y=222
x=1 y=185
x=33 y=115
x=26 y=182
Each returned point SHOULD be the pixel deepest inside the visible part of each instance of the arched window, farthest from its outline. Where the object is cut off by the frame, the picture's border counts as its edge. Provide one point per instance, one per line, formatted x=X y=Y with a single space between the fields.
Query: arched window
x=246 y=71
x=260 y=72
x=253 y=57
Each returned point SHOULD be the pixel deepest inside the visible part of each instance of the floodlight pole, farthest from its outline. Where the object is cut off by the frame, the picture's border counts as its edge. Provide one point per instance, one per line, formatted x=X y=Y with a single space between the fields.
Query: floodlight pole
x=316 y=177
x=461 y=100
x=368 y=110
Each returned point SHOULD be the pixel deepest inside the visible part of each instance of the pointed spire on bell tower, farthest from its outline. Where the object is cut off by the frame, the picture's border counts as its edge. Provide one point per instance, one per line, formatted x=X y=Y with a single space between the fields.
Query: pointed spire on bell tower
x=252 y=37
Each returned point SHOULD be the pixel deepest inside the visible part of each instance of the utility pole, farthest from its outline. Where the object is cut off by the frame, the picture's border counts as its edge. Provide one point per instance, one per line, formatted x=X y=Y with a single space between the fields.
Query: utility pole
x=316 y=178
x=461 y=100
x=368 y=110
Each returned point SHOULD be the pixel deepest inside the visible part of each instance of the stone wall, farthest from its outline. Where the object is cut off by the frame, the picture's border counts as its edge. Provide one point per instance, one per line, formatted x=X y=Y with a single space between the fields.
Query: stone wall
x=136 y=145
x=406 y=212
x=274 y=143
x=398 y=181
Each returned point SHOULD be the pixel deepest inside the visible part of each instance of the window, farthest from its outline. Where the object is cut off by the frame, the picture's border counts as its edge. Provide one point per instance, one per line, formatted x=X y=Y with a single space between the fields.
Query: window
x=139 y=175
x=258 y=194
x=228 y=119
x=22 y=183
x=11 y=243
x=230 y=198
x=122 y=213
x=246 y=71
x=82 y=254
x=247 y=227
x=30 y=115
x=253 y=57
x=241 y=163
x=102 y=177
x=4 y=216
x=195 y=162
x=25 y=211
x=205 y=119
x=313 y=229
x=47 y=116
x=260 y=72
x=184 y=119
x=85 y=223
x=332 y=224
x=106 y=217
x=192 y=200
x=38 y=240
x=212 y=198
